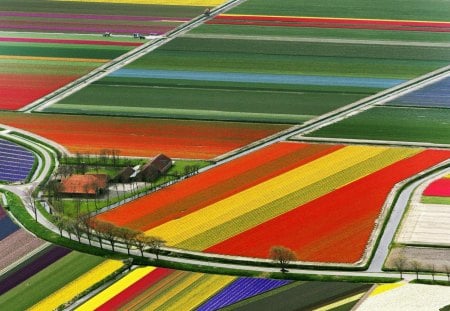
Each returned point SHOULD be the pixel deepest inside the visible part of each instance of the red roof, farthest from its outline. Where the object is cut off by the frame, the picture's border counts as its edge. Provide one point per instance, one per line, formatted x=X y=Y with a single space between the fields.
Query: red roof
x=84 y=184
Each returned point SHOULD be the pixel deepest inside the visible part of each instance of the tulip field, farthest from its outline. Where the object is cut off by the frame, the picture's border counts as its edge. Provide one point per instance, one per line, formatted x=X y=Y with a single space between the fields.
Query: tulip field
x=96 y=17
x=438 y=192
x=254 y=60
x=255 y=198
x=34 y=65
x=230 y=90
x=58 y=283
x=152 y=288
x=142 y=137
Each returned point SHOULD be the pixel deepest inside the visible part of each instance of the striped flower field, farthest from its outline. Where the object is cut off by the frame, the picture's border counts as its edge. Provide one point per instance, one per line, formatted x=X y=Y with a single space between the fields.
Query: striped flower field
x=311 y=198
x=163 y=289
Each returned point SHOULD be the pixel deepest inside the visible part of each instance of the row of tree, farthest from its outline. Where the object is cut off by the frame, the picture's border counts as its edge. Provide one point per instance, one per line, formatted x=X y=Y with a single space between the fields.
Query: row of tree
x=402 y=264
x=101 y=231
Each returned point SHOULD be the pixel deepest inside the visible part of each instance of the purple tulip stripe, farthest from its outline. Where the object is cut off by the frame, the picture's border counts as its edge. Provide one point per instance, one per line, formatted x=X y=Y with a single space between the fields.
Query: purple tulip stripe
x=35 y=266
x=241 y=289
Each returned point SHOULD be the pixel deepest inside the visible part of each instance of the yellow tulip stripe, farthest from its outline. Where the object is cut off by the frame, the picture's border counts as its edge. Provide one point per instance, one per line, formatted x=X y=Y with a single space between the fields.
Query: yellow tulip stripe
x=77 y=286
x=196 y=293
x=339 y=303
x=385 y=287
x=179 y=290
x=274 y=197
x=156 y=2
x=115 y=289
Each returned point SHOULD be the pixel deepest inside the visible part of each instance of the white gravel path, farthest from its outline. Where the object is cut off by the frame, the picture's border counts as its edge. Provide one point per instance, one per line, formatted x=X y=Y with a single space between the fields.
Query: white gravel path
x=409 y=297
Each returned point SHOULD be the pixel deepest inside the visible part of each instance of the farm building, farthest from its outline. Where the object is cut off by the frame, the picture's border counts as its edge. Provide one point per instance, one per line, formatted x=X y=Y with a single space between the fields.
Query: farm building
x=84 y=185
x=155 y=168
x=125 y=175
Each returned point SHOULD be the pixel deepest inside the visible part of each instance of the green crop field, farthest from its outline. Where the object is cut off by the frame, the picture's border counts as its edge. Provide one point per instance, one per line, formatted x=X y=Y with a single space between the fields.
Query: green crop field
x=393 y=124
x=262 y=33
x=48 y=281
x=385 y=9
x=435 y=200
x=244 y=100
x=300 y=296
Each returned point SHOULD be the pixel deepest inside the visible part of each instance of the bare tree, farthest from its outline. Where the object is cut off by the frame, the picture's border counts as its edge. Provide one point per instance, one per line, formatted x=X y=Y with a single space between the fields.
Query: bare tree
x=107 y=231
x=399 y=263
x=432 y=268
x=141 y=241
x=59 y=222
x=416 y=266
x=282 y=255
x=155 y=243
x=85 y=223
x=29 y=200
x=447 y=271
x=126 y=235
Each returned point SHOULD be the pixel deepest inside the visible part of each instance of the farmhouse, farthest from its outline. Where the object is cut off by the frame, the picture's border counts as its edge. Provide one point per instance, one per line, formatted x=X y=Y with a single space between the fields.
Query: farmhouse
x=155 y=168
x=84 y=185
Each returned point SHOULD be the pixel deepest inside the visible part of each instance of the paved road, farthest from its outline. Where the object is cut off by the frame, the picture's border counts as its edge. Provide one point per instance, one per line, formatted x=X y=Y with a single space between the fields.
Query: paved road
x=399 y=208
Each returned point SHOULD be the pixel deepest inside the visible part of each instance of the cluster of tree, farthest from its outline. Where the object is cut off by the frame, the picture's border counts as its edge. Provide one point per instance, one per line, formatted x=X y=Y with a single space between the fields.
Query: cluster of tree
x=402 y=264
x=102 y=231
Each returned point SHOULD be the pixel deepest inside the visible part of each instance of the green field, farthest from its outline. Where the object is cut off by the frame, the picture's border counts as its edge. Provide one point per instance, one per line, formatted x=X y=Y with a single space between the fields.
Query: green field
x=300 y=296
x=250 y=101
x=329 y=33
x=88 y=51
x=47 y=281
x=435 y=200
x=393 y=124
x=412 y=9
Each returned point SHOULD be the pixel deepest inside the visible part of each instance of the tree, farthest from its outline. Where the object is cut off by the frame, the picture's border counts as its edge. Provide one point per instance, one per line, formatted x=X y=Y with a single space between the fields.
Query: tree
x=282 y=256
x=85 y=223
x=141 y=241
x=155 y=243
x=432 y=268
x=126 y=235
x=447 y=271
x=107 y=231
x=399 y=263
x=31 y=202
x=416 y=266
x=59 y=222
